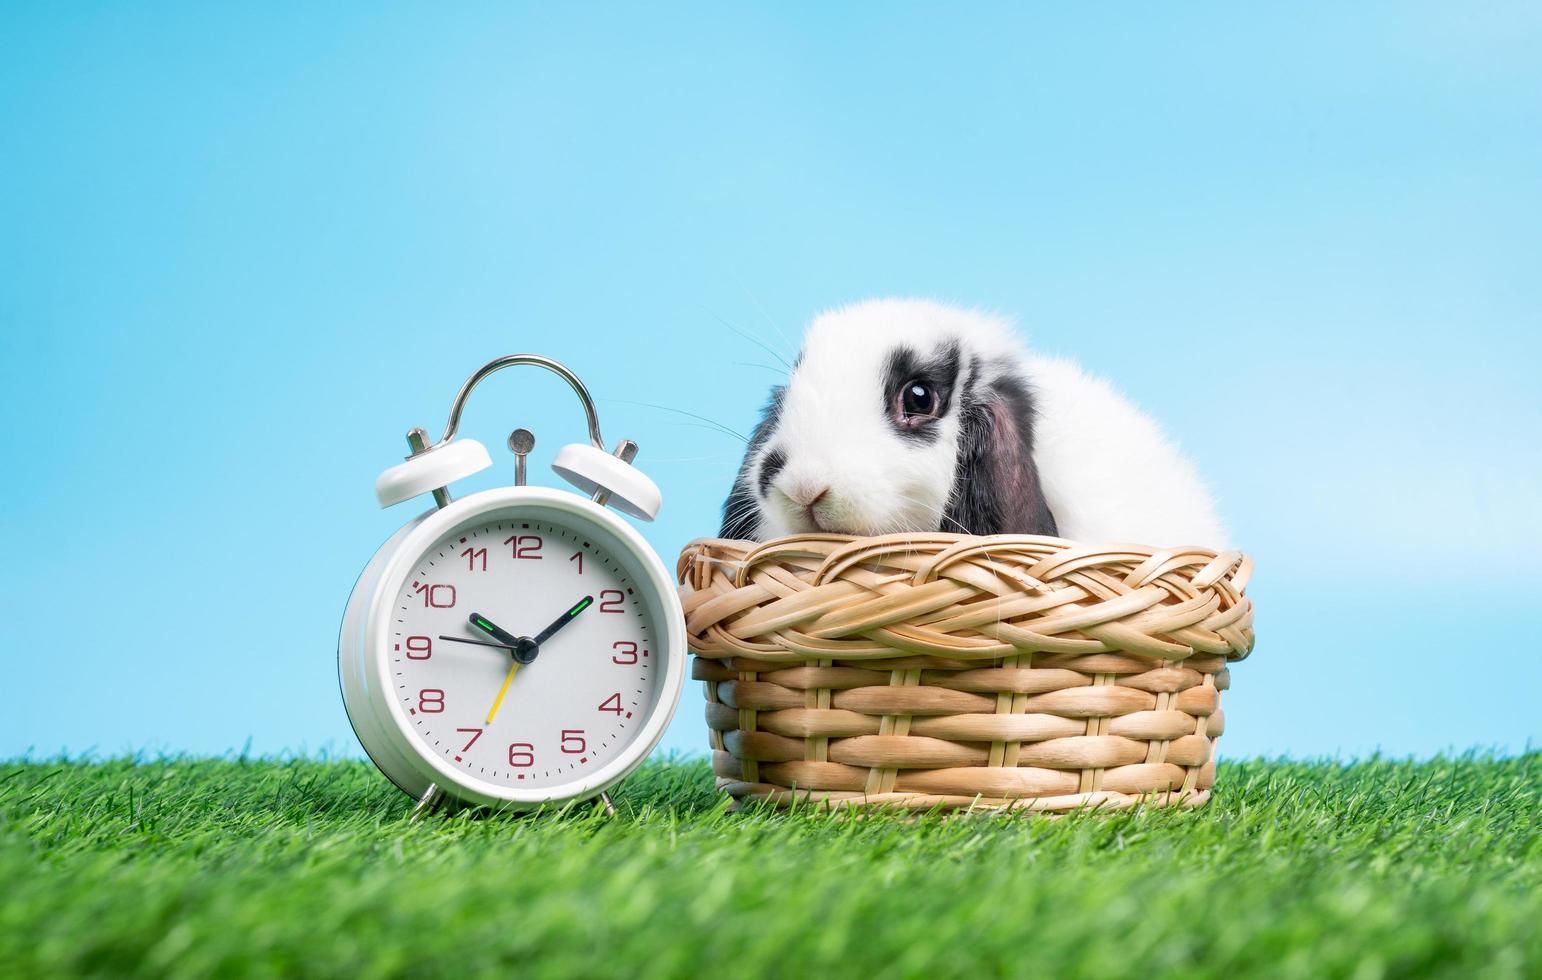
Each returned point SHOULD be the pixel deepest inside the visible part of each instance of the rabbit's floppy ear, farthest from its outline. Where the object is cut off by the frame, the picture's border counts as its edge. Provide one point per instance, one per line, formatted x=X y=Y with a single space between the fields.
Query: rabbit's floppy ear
x=996 y=489
x=741 y=511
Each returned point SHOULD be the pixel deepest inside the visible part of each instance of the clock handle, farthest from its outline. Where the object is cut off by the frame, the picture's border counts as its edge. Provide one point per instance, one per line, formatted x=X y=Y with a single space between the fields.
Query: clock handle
x=535 y=360
x=432 y=468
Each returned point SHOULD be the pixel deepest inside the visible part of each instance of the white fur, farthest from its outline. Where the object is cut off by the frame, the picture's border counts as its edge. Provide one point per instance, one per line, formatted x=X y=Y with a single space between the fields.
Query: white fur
x=1107 y=471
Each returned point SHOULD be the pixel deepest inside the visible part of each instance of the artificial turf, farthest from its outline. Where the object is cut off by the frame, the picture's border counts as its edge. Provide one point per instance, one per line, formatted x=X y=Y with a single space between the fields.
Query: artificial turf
x=229 y=867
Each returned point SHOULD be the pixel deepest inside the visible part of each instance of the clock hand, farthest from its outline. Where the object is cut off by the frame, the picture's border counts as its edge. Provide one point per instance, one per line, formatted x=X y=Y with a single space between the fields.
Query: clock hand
x=513 y=669
x=480 y=643
x=523 y=648
x=493 y=630
x=521 y=654
x=564 y=619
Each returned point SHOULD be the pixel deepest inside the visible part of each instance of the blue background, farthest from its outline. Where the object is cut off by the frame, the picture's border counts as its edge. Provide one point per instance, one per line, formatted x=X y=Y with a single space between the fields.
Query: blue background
x=244 y=247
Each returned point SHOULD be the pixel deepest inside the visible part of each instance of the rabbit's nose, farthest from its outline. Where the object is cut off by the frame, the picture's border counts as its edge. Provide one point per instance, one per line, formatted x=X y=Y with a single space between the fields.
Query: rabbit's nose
x=805 y=493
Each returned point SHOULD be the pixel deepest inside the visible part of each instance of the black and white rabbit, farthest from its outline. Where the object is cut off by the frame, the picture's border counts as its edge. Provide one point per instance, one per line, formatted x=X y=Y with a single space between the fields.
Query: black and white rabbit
x=908 y=415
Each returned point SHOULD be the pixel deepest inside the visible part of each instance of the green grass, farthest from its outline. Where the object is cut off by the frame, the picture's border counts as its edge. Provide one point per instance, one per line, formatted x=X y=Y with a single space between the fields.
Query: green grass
x=196 y=867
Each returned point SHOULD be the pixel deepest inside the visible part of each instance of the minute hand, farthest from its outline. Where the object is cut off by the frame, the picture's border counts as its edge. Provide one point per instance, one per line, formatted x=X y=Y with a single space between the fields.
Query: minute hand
x=564 y=619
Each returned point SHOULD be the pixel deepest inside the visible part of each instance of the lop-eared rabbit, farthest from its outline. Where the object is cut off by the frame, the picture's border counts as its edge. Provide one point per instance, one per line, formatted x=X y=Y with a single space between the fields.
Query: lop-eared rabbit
x=909 y=415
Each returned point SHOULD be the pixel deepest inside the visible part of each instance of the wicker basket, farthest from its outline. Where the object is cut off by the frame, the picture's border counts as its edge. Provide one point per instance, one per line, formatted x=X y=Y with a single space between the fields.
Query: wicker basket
x=947 y=671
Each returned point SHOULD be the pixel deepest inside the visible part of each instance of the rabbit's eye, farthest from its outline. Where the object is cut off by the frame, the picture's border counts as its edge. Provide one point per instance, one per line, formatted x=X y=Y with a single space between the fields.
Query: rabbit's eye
x=918 y=400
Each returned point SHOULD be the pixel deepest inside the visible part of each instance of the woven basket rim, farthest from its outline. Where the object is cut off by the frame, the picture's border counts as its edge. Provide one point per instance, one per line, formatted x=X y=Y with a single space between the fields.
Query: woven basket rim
x=1056 y=560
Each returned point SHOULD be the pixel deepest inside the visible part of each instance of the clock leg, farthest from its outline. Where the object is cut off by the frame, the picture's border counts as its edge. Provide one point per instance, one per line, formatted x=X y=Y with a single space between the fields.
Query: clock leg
x=610 y=807
x=426 y=802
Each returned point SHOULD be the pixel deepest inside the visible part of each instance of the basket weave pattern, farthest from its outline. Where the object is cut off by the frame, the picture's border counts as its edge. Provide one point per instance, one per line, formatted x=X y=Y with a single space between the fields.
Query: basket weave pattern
x=948 y=671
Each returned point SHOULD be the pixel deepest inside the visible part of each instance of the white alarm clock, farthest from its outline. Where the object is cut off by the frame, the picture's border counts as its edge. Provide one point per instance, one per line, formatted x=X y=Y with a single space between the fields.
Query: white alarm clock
x=519 y=646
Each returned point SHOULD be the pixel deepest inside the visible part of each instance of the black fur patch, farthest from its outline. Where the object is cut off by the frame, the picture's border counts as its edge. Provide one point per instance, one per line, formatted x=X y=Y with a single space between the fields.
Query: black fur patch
x=770 y=466
x=741 y=511
x=996 y=489
x=938 y=372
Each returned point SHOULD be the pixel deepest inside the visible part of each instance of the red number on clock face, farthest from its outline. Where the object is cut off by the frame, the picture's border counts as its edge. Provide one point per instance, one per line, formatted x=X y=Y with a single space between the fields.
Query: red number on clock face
x=476 y=733
x=526 y=545
x=521 y=755
x=611 y=600
x=573 y=741
x=578 y=556
x=474 y=555
x=612 y=704
x=626 y=653
x=419 y=648
x=436 y=596
x=431 y=700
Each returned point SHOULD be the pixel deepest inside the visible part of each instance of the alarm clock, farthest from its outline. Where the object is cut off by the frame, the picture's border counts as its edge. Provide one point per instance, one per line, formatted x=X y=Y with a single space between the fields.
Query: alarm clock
x=520 y=646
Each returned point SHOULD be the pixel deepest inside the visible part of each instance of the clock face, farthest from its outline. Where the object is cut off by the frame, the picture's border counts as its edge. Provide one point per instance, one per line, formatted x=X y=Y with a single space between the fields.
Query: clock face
x=521 y=651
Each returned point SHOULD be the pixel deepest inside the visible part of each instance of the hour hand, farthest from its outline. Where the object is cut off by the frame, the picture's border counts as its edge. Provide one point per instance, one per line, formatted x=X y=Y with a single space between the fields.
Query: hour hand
x=493 y=630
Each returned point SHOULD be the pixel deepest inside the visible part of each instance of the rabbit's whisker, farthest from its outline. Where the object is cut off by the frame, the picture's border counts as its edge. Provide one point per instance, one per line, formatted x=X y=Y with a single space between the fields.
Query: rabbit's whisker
x=752 y=339
x=708 y=423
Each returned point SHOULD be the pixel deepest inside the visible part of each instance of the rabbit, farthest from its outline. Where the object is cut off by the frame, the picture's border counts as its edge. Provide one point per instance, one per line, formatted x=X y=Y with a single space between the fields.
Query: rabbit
x=910 y=415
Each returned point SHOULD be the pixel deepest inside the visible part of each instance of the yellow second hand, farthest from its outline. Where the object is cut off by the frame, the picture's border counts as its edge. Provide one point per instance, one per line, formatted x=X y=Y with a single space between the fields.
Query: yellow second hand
x=513 y=669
